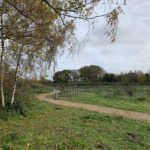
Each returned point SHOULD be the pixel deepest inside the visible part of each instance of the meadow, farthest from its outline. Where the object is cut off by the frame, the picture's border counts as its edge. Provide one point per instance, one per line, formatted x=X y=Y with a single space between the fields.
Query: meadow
x=135 y=98
x=49 y=127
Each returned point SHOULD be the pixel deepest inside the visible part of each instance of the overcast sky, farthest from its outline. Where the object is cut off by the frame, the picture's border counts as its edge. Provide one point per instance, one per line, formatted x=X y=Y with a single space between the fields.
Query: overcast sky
x=131 y=51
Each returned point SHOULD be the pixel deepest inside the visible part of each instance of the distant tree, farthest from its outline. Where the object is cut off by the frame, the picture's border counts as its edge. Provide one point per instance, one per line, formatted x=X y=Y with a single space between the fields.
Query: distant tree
x=43 y=80
x=64 y=76
x=91 y=73
x=130 y=77
x=110 y=77
x=57 y=77
x=147 y=75
x=76 y=76
x=141 y=78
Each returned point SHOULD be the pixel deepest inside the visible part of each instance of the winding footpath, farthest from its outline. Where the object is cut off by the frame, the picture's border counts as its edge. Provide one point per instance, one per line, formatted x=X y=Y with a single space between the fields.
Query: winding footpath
x=99 y=109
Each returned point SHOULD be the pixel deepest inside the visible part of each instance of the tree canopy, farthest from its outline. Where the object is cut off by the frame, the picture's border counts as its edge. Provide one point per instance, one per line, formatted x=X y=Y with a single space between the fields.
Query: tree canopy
x=96 y=75
x=91 y=73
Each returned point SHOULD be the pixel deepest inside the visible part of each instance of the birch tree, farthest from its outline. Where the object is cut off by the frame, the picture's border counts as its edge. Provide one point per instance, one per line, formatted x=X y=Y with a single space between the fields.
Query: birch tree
x=34 y=44
x=1 y=63
x=3 y=11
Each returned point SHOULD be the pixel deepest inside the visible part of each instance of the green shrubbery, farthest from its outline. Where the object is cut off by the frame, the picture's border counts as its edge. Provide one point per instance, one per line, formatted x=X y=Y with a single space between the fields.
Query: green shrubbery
x=130 y=91
x=22 y=98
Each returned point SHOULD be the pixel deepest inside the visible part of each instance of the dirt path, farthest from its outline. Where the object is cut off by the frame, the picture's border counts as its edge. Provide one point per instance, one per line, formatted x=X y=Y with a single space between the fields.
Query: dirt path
x=99 y=109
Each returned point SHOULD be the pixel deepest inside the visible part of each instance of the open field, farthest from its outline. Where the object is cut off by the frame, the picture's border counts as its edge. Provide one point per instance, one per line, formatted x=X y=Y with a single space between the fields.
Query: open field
x=74 y=75
x=95 y=108
x=135 y=98
x=57 y=128
x=50 y=127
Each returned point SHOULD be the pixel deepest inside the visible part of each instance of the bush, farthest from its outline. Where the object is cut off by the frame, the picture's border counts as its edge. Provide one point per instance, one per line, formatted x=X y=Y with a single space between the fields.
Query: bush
x=129 y=91
x=22 y=99
x=142 y=99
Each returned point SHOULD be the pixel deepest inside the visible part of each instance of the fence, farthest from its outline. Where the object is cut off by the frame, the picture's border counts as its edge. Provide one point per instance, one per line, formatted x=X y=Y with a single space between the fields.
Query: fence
x=72 y=92
x=119 y=90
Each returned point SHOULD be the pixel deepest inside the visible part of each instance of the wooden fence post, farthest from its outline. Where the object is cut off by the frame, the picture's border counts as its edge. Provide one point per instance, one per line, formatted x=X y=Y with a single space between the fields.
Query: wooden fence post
x=56 y=95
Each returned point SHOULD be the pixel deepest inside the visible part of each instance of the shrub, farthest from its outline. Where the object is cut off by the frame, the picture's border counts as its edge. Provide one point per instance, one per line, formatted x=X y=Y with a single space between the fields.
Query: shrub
x=22 y=99
x=142 y=99
x=129 y=91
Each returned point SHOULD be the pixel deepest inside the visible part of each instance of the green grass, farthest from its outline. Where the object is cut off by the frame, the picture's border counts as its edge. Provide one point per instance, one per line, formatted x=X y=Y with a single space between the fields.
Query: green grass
x=49 y=127
x=117 y=97
x=43 y=89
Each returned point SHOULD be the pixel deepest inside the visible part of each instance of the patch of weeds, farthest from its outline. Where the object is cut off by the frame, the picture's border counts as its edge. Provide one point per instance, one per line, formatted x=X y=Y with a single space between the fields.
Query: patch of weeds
x=58 y=108
x=5 y=114
x=6 y=146
x=89 y=118
x=119 y=118
x=77 y=144
x=99 y=91
x=117 y=92
x=10 y=137
x=60 y=130
x=13 y=136
x=130 y=91
x=39 y=91
x=94 y=117
x=106 y=118
x=148 y=128
x=101 y=146
x=85 y=117
x=142 y=99
x=20 y=107
x=108 y=96
x=7 y=139
x=134 y=138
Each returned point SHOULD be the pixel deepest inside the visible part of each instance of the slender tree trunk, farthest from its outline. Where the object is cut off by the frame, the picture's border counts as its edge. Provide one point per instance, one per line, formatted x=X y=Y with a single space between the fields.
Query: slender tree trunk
x=2 y=65
x=13 y=93
x=2 y=91
x=16 y=76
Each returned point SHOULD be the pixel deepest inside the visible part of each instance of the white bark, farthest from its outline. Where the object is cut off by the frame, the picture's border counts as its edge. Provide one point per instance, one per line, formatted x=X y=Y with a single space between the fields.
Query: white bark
x=13 y=93
x=2 y=65
x=2 y=93
x=16 y=76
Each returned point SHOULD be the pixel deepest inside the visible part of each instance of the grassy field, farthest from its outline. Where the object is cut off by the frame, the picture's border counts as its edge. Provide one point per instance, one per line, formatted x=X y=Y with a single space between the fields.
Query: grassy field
x=135 y=98
x=49 y=127
x=43 y=89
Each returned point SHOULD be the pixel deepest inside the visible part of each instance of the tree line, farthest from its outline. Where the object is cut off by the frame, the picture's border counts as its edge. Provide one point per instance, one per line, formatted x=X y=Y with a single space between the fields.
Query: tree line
x=95 y=74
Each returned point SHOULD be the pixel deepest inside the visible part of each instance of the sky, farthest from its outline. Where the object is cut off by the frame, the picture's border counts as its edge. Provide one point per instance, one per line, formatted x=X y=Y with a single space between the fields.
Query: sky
x=131 y=51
